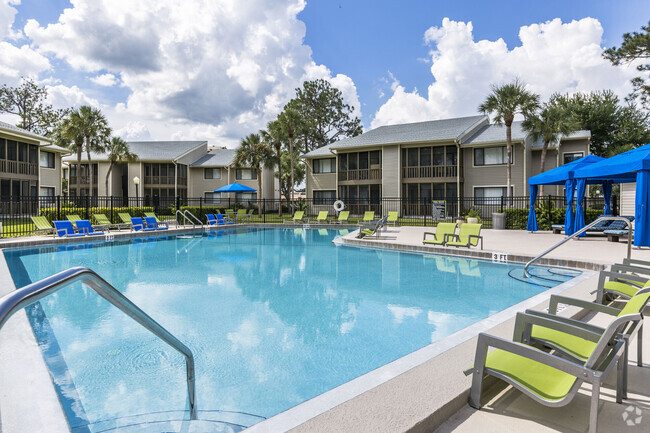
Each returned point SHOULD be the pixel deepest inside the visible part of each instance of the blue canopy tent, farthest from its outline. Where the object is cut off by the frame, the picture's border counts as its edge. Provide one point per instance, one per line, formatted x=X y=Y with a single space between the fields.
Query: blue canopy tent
x=562 y=175
x=631 y=166
x=235 y=187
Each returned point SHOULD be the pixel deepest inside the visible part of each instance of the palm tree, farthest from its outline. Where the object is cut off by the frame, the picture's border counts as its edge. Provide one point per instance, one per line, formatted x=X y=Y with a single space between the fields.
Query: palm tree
x=549 y=125
x=69 y=134
x=95 y=132
x=254 y=153
x=505 y=102
x=117 y=151
x=273 y=138
x=291 y=125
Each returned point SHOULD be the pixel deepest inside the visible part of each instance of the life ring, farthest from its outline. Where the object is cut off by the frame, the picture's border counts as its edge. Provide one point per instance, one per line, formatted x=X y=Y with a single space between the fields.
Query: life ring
x=339 y=205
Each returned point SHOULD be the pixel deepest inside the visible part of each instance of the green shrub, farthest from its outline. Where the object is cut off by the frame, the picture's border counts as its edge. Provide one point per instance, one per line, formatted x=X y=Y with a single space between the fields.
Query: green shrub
x=52 y=214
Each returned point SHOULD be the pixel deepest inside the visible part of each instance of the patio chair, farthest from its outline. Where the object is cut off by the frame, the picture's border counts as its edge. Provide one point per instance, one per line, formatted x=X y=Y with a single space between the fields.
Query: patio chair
x=73 y=219
x=343 y=217
x=243 y=214
x=104 y=222
x=468 y=235
x=211 y=220
x=137 y=224
x=86 y=228
x=321 y=218
x=372 y=231
x=297 y=217
x=392 y=217
x=223 y=220
x=64 y=229
x=620 y=284
x=126 y=219
x=151 y=222
x=548 y=378
x=440 y=235
x=557 y=229
x=43 y=226
x=368 y=217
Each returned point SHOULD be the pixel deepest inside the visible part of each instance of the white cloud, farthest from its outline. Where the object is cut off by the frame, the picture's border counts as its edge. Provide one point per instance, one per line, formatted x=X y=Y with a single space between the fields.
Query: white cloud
x=553 y=57
x=218 y=68
x=106 y=80
x=134 y=131
x=61 y=96
x=7 y=15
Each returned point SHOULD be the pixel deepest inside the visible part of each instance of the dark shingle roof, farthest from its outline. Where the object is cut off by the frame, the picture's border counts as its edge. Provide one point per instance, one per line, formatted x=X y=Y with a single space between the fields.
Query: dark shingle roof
x=578 y=134
x=152 y=150
x=434 y=130
x=215 y=158
x=9 y=126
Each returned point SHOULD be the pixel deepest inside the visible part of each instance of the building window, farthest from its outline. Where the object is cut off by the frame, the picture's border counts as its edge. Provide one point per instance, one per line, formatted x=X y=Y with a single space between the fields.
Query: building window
x=327 y=165
x=324 y=197
x=491 y=155
x=489 y=194
x=244 y=197
x=213 y=197
x=46 y=191
x=47 y=159
x=212 y=173
x=246 y=174
x=375 y=157
x=570 y=157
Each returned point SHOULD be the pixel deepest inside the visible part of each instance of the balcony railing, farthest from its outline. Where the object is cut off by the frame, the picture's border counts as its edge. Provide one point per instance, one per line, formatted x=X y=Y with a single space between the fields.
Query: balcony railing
x=163 y=180
x=365 y=174
x=18 y=167
x=83 y=180
x=430 y=171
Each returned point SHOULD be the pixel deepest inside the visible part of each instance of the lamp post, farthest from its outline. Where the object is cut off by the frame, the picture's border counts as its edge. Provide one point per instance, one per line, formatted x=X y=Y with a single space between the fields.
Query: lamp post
x=136 y=182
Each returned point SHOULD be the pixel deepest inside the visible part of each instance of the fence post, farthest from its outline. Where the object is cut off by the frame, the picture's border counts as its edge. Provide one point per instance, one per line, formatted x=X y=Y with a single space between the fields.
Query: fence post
x=200 y=205
x=550 y=223
x=58 y=207
x=264 y=209
x=112 y=209
x=178 y=202
x=501 y=207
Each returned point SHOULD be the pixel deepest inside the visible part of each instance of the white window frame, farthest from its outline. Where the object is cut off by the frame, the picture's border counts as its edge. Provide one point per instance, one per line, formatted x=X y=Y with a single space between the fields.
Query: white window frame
x=44 y=152
x=582 y=154
x=253 y=174
x=319 y=160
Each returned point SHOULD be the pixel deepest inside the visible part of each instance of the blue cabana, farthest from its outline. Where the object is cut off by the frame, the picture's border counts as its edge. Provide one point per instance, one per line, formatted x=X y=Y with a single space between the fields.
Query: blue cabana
x=562 y=175
x=631 y=166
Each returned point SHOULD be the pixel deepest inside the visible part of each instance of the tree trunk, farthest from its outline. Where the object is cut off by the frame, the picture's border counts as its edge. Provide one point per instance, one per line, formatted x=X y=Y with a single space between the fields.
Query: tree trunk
x=79 y=153
x=259 y=192
x=541 y=165
x=90 y=169
x=108 y=173
x=291 y=185
x=279 y=181
x=509 y=153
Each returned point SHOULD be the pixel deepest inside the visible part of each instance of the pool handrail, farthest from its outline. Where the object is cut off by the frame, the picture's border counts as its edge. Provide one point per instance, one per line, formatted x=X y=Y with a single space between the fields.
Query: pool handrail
x=191 y=218
x=18 y=299
x=581 y=231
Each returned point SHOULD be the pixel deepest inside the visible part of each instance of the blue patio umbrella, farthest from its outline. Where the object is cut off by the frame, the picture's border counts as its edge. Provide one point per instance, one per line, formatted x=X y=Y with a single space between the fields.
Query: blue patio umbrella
x=235 y=187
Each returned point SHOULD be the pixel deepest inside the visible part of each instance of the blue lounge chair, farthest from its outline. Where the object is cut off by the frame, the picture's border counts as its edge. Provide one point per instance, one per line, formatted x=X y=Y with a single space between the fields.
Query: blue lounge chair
x=152 y=223
x=64 y=229
x=221 y=220
x=211 y=219
x=86 y=228
x=138 y=225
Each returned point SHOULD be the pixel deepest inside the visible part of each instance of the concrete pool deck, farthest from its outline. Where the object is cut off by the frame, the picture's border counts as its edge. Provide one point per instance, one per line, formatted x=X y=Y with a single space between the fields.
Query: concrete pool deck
x=423 y=391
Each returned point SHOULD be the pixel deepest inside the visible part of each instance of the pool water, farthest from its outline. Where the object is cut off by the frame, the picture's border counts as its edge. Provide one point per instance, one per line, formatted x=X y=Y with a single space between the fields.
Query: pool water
x=274 y=317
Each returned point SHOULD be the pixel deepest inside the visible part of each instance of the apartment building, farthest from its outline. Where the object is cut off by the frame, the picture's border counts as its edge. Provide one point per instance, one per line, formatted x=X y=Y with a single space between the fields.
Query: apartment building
x=30 y=165
x=444 y=159
x=165 y=170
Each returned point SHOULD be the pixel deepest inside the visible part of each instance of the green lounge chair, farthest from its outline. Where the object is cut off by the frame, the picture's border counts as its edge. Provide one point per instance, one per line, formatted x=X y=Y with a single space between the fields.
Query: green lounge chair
x=548 y=378
x=368 y=217
x=242 y=215
x=440 y=235
x=372 y=230
x=392 y=217
x=297 y=217
x=468 y=235
x=343 y=217
x=624 y=285
x=43 y=226
x=126 y=219
x=104 y=222
x=73 y=219
x=321 y=218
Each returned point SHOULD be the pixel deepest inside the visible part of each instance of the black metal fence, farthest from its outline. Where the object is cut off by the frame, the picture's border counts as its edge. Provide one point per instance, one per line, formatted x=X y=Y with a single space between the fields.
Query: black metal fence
x=15 y=215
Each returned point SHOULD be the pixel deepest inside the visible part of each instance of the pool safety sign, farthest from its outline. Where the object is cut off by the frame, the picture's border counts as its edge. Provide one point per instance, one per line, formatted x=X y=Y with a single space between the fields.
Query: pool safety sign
x=439 y=209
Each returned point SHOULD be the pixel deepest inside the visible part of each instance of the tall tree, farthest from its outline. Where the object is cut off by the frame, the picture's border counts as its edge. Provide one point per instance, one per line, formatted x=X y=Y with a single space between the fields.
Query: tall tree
x=291 y=126
x=28 y=102
x=96 y=134
x=273 y=138
x=635 y=46
x=549 y=125
x=287 y=179
x=255 y=154
x=505 y=102
x=117 y=151
x=327 y=118
x=614 y=127
x=69 y=134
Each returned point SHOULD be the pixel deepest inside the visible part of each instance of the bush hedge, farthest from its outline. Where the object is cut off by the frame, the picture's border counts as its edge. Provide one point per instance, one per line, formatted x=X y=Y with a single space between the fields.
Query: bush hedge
x=87 y=213
x=517 y=219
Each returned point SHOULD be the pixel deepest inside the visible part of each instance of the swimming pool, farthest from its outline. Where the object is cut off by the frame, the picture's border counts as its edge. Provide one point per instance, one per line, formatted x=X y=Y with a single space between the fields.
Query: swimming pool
x=274 y=317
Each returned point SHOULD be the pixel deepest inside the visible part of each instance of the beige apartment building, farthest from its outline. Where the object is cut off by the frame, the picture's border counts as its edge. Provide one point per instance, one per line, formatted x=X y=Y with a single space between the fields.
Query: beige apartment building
x=165 y=170
x=30 y=165
x=447 y=159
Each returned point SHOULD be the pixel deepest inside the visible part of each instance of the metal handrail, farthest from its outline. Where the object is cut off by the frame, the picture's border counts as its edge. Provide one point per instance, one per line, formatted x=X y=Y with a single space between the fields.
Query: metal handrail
x=187 y=212
x=31 y=293
x=579 y=232
x=184 y=214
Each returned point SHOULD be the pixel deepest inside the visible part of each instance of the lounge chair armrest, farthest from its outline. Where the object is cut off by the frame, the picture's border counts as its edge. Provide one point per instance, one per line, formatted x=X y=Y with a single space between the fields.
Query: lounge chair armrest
x=524 y=323
x=428 y=233
x=61 y=232
x=593 y=306
x=477 y=237
x=486 y=341
x=450 y=235
x=631 y=269
x=570 y=321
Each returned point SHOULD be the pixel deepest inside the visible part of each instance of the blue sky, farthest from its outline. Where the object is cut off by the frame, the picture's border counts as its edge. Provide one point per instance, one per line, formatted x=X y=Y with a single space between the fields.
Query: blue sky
x=219 y=70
